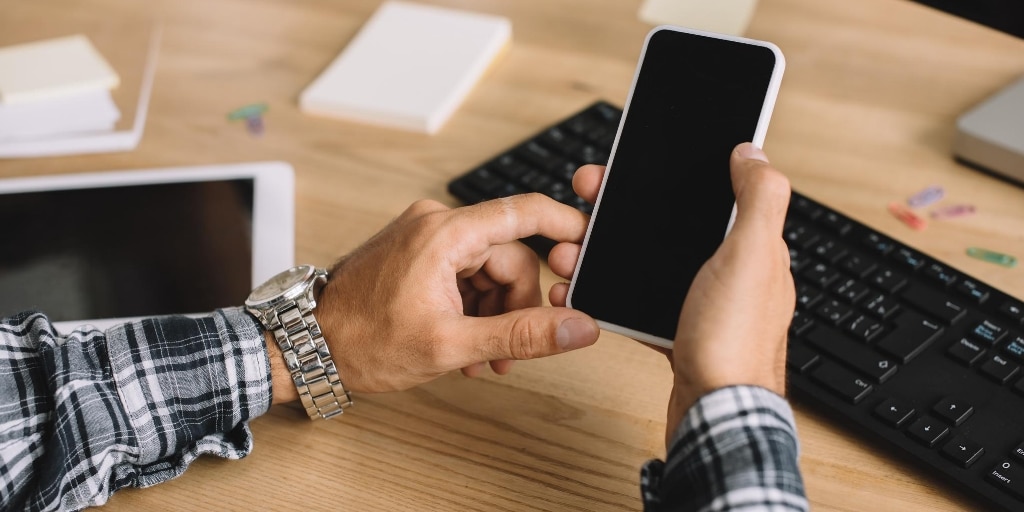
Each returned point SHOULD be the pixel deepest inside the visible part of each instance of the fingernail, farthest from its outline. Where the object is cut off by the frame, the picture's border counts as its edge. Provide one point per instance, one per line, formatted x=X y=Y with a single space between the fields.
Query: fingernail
x=575 y=333
x=751 y=152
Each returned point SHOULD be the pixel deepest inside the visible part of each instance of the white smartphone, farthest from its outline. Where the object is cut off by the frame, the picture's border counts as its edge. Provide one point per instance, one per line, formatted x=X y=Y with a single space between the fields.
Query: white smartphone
x=666 y=201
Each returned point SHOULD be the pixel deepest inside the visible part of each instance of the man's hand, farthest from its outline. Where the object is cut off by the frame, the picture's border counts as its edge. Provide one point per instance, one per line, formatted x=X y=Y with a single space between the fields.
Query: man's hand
x=441 y=289
x=733 y=325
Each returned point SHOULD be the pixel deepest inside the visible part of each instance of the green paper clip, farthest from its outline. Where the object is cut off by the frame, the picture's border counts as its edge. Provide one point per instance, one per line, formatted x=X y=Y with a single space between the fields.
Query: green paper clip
x=248 y=111
x=992 y=257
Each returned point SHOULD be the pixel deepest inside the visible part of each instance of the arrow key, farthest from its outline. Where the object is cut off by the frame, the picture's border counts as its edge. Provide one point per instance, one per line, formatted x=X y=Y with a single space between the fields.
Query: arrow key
x=894 y=412
x=927 y=431
x=953 y=410
x=963 y=451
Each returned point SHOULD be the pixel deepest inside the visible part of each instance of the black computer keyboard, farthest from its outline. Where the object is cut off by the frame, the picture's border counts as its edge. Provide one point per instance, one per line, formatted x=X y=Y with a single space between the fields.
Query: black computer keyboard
x=909 y=351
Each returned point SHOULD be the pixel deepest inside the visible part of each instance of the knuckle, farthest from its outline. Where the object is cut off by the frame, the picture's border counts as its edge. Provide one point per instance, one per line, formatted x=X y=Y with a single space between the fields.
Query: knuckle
x=521 y=343
x=423 y=207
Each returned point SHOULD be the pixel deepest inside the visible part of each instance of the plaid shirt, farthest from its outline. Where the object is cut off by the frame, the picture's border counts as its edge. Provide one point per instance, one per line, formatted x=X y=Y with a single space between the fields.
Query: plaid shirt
x=84 y=415
x=736 y=449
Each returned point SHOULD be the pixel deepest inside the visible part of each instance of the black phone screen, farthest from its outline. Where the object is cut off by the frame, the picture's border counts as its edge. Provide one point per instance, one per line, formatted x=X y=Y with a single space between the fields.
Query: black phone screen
x=668 y=197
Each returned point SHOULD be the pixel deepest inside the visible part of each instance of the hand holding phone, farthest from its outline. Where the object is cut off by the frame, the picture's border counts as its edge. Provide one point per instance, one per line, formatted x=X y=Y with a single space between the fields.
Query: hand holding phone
x=666 y=201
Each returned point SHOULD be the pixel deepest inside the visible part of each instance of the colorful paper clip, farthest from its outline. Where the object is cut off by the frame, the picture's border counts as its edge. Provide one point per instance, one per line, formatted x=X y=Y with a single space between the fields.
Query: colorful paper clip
x=248 y=111
x=908 y=217
x=253 y=116
x=926 y=197
x=956 y=210
x=991 y=256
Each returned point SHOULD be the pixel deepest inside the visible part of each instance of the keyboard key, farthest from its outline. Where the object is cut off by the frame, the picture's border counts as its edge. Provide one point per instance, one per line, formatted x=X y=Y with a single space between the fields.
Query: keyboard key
x=806 y=207
x=1018 y=452
x=820 y=275
x=835 y=223
x=807 y=297
x=966 y=351
x=858 y=265
x=878 y=244
x=881 y=306
x=1000 y=369
x=907 y=258
x=536 y=180
x=894 y=412
x=988 y=332
x=963 y=451
x=1008 y=475
x=799 y=236
x=850 y=290
x=928 y=431
x=801 y=322
x=511 y=168
x=864 y=328
x=1015 y=348
x=912 y=335
x=935 y=305
x=858 y=356
x=833 y=311
x=828 y=250
x=953 y=410
x=974 y=290
x=1019 y=386
x=888 y=280
x=797 y=261
x=941 y=274
x=1013 y=310
x=841 y=381
x=799 y=358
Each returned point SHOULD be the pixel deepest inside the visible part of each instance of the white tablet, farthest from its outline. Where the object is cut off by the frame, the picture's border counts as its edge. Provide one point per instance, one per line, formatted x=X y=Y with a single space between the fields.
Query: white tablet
x=108 y=247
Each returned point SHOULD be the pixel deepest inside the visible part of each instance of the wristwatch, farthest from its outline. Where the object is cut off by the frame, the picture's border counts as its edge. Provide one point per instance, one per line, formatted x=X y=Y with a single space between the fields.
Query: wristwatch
x=284 y=305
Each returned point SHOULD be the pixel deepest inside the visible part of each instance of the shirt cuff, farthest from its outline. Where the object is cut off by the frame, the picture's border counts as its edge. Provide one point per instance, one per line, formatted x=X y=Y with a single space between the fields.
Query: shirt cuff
x=190 y=387
x=736 y=449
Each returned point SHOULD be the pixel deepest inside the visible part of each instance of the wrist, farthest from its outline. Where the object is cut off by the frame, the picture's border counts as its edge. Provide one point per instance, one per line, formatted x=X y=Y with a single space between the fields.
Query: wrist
x=280 y=379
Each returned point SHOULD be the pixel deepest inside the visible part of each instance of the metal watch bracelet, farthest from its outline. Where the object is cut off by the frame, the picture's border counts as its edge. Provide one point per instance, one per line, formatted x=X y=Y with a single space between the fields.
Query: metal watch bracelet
x=309 y=361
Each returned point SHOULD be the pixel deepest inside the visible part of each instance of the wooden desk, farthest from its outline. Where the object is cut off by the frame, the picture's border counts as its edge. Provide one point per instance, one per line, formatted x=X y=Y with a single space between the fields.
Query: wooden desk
x=865 y=116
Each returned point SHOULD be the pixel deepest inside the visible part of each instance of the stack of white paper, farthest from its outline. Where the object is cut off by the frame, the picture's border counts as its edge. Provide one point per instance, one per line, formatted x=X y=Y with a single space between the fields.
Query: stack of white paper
x=52 y=90
x=409 y=67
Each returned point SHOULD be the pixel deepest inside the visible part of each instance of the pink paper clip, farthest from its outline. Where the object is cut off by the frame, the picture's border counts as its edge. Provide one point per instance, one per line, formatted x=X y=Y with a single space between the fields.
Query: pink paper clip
x=956 y=210
x=926 y=197
x=908 y=217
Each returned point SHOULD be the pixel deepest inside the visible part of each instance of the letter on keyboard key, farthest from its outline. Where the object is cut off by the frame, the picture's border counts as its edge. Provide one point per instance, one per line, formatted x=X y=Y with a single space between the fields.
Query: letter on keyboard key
x=913 y=334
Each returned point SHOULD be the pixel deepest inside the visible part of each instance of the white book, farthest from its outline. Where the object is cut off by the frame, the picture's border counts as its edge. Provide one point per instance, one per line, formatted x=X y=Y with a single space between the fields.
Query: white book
x=409 y=67
x=53 y=67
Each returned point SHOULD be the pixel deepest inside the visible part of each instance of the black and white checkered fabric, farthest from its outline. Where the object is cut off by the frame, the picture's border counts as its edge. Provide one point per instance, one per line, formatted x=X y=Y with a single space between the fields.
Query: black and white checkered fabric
x=84 y=415
x=736 y=450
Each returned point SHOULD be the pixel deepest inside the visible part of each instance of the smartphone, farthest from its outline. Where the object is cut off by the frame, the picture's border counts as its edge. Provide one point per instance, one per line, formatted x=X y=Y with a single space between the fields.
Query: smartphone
x=666 y=202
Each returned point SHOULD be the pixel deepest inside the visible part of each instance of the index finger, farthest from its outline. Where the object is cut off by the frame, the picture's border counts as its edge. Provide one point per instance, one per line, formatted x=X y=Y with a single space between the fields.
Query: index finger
x=505 y=220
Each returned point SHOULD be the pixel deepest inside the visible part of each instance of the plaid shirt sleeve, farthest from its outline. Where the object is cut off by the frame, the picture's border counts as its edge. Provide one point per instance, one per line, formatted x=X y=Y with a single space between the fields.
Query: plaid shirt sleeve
x=86 y=414
x=736 y=450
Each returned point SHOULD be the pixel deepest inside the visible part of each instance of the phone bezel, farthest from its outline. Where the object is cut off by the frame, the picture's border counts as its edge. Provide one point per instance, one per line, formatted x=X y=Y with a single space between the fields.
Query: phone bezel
x=758 y=140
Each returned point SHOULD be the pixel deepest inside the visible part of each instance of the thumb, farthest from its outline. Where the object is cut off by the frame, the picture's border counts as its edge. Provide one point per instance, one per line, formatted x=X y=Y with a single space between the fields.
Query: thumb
x=526 y=334
x=762 y=193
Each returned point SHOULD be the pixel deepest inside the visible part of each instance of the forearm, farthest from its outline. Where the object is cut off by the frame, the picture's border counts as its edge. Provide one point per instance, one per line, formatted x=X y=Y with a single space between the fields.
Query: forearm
x=129 y=407
x=736 y=449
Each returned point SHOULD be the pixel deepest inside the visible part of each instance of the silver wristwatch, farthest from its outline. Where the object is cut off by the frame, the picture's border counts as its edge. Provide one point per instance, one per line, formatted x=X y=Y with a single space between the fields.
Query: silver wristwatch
x=284 y=305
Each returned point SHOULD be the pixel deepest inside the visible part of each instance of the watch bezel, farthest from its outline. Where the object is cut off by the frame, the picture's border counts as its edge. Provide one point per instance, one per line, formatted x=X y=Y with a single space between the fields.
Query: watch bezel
x=304 y=277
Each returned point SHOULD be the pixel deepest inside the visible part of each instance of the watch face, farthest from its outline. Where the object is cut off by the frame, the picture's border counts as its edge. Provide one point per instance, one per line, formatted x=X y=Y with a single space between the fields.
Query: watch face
x=280 y=283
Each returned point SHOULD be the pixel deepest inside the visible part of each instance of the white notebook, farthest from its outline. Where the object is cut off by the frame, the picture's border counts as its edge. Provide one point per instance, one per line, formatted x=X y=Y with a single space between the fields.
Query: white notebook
x=409 y=67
